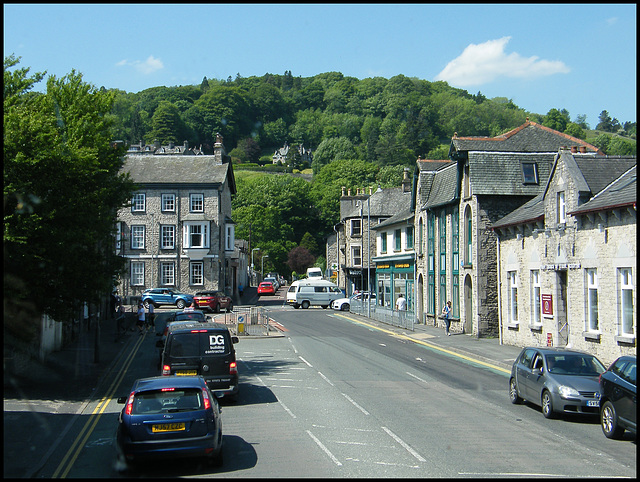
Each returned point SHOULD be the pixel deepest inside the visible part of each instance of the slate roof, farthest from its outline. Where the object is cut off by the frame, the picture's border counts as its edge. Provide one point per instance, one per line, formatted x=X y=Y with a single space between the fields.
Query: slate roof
x=498 y=173
x=621 y=192
x=179 y=169
x=529 y=137
x=426 y=173
x=383 y=203
x=610 y=181
x=444 y=187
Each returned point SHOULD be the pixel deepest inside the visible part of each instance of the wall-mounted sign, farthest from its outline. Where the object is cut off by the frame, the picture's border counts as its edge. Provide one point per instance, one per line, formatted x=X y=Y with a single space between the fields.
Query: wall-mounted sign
x=403 y=265
x=549 y=339
x=547 y=304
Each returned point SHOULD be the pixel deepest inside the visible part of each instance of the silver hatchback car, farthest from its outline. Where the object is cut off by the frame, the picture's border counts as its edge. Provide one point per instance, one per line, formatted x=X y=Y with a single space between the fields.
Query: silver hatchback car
x=557 y=379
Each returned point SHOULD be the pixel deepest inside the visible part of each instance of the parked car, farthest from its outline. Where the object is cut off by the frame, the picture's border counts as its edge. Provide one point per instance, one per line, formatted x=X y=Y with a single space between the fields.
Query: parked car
x=266 y=288
x=312 y=292
x=618 y=397
x=166 y=417
x=273 y=281
x=204 y=349
x=556 y=379
x=344 y=304
x=166 y=296
x=213 y=300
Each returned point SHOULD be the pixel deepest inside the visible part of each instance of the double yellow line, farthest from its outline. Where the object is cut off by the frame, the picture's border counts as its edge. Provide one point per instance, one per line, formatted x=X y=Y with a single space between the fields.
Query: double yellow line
x=430 y=345
x=80 y=441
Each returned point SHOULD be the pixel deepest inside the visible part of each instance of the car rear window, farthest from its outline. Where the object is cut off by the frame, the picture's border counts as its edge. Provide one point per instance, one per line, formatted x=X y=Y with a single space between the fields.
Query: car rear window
x=205 y=293
x=168 y=400
x=199 y=344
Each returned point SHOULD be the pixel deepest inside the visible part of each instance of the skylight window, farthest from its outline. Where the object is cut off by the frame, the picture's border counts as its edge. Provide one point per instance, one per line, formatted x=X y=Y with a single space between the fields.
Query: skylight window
x=530 y=172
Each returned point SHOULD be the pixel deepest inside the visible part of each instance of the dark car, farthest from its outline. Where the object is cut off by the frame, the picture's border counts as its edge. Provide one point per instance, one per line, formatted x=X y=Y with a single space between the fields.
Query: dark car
x=167 y=417
x=557 y=379
x=266 y=288
x=166 y=296
x=204 y=349
x=213 y=301
x=618 y=397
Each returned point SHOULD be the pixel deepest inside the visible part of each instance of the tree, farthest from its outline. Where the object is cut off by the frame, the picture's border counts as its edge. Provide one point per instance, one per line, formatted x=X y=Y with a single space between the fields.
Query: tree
x=309 y=242
x=575 y=130
x=62 y=189
x=167 y=125
x=299 y=259
x=604 y=122
x=332 y=149
x=556 y=120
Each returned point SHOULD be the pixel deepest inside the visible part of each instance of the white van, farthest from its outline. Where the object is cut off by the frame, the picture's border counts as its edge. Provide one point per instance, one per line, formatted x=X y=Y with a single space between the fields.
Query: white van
x=308 y=292
x=314 y=273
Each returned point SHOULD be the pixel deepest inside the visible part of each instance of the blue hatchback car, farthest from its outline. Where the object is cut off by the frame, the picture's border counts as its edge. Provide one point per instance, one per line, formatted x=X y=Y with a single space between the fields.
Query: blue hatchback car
x=166 y=296
x=167 y=417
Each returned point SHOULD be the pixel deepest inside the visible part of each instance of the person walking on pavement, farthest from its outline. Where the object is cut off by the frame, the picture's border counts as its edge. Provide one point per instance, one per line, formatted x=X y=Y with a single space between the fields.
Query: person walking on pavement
x=446 y=314
x=141 y=318
x=401 y=303
x=151 y=316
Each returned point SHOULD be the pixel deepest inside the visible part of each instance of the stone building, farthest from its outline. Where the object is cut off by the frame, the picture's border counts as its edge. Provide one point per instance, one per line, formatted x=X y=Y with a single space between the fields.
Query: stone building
x=567 y=259
x=280 y=156
x=178 y=231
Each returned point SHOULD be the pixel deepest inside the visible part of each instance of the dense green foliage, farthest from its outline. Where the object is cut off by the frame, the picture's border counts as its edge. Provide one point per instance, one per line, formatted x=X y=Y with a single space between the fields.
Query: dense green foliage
x=62 y=188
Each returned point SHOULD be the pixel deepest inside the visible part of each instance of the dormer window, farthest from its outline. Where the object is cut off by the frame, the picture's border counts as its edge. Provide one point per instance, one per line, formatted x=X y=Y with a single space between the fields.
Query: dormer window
x=530 y=172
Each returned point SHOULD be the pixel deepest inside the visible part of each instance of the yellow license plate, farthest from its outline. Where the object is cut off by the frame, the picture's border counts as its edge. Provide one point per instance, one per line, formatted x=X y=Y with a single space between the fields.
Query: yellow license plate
x=168 y=427
x=186 y=373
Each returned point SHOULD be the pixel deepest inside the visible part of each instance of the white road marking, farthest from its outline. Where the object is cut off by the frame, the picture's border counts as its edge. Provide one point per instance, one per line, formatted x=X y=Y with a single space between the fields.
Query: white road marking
x=325 y=449
x=355 y=404
x=326 y=379
x=404 y=444
x=308 y=364
x=417 y=378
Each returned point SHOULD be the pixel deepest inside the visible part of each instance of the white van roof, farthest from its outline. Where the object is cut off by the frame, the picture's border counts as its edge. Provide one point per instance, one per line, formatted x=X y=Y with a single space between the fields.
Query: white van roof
x=313 y=282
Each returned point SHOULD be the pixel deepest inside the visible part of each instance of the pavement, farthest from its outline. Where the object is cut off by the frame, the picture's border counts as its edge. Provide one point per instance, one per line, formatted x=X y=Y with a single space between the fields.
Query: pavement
x=74 y=374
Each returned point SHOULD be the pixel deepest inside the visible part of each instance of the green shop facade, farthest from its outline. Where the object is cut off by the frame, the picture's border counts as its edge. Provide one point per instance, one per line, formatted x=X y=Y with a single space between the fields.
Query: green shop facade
x=394 y=276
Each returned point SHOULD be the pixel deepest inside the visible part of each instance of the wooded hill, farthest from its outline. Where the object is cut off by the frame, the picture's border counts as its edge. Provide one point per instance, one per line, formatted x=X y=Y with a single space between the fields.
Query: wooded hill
x=385 y=121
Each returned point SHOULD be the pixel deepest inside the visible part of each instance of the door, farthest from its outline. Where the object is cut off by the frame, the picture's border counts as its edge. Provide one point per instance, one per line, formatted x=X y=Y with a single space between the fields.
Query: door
x=419 y=301
x=562 y=318
x=468 y=306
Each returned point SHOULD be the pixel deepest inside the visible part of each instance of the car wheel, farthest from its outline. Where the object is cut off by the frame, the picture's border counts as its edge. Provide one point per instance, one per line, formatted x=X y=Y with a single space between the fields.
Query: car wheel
x=216 y=459
x=230 y=308
x=146 y=304
x=305 y=305
x=513 y=392
x=216 y=309
x=547 y=405
x=296 y=306
x=609 y=421
x=180 y=304
x=345 y=307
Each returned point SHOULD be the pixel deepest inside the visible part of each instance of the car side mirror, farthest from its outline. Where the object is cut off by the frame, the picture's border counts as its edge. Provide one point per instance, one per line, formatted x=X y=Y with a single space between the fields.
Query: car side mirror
x=234 y=339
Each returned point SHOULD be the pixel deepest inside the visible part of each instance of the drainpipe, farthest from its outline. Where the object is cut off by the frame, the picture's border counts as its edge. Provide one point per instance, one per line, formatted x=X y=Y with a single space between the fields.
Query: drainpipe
x=499 y=280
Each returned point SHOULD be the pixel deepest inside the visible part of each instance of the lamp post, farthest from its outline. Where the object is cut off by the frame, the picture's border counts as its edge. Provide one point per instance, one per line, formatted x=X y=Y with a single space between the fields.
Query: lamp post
x=262 y=271
x=252 y=270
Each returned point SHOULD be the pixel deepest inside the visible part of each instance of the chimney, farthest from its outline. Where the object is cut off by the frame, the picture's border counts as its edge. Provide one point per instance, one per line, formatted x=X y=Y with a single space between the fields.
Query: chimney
x=583 y=149
x=574 y=149
x=349 y=192
x=406 y=183
x=344 y=191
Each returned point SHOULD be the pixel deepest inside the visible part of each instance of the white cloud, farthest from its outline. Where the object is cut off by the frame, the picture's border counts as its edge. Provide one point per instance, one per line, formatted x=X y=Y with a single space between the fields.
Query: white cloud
x=148 y=66
x=486 y=62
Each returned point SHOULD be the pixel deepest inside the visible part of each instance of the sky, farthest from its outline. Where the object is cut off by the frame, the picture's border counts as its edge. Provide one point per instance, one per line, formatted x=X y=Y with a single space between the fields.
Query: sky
x=581 y=58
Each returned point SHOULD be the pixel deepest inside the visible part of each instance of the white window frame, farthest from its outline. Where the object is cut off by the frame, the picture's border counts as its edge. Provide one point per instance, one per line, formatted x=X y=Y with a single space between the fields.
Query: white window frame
x=138 y=233
x=356 y=227
x=118 y=235
x=355 y=258
x=536 y=300
x=562 y=208
x=167 y=236
x=383 y=242
x=513 y=296
x=196 y=273
x=189 y=232
x=532 y=168
x=591 y=317
x=168 y=203
x=196 y=203
x=229 y=238
x=167 y=273
x=139 y=203
x=626 y=297
x=137 y=273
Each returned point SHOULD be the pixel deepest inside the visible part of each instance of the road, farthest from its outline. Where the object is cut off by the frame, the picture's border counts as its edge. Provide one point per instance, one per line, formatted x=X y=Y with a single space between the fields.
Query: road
x=338 y=398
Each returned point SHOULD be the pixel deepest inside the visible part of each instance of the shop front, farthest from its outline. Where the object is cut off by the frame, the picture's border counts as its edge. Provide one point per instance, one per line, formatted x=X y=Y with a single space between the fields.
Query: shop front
x=395 y=276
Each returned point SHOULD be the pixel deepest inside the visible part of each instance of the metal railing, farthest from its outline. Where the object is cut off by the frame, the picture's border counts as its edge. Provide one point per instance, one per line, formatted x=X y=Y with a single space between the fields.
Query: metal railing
x=245 y=320
x=402 y=319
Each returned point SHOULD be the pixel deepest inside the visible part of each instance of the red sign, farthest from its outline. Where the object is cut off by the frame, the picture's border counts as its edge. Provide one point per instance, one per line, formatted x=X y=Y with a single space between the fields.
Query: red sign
x=549 y=339
x=547 y=304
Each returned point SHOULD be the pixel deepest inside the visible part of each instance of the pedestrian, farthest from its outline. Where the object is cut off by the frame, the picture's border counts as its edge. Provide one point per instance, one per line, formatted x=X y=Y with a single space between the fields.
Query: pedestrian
x=446 y=315
x=121 y=329
x=401 y=303
x=240 y=289
x=151 y=317
x=141 y=318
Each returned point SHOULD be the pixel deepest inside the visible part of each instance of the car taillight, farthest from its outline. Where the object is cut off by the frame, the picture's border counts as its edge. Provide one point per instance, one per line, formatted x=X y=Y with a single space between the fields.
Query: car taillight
x=207 y=401
x=166 y=370
x=129 y=407
x=233 y=368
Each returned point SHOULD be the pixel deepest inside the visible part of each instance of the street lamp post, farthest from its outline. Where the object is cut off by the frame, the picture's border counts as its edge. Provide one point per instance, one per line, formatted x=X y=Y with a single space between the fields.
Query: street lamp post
x=262 y=271
x=252 y=270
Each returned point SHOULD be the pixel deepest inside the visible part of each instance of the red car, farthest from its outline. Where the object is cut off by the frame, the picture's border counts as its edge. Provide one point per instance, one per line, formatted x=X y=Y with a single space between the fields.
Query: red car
x=213 y=301
x=266 y=288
